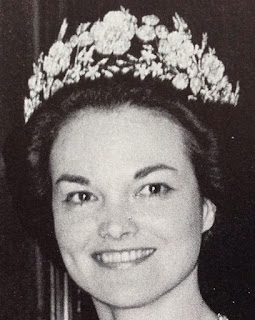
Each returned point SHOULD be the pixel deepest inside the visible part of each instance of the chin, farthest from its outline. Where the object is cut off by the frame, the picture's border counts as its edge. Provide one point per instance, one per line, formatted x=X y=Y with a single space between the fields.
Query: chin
x=130 y=295
x=128 y=299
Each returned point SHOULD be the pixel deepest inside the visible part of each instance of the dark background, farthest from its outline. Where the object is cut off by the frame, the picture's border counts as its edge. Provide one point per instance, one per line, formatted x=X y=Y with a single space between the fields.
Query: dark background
x=30 y=26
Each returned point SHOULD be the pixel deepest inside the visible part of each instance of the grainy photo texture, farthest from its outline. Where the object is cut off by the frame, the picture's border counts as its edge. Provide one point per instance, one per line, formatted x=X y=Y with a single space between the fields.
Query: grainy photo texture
x=127 y=160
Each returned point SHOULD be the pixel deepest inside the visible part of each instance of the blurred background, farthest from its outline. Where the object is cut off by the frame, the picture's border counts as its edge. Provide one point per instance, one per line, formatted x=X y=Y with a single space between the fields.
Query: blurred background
x=28 y=27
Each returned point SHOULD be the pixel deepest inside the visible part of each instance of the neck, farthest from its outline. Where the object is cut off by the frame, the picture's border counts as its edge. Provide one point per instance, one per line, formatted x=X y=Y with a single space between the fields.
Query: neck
x=183 y=302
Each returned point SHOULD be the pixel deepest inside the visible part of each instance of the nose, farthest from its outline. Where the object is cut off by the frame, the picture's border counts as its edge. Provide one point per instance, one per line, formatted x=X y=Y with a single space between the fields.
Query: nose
x=117 y=223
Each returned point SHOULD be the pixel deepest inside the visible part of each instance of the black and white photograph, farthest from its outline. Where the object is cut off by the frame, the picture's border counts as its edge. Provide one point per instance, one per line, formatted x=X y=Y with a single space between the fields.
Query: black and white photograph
x=127 y=160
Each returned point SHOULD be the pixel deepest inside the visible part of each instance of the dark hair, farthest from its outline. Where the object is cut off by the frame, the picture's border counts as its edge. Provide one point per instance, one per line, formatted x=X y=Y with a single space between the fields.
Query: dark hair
x=28 y=170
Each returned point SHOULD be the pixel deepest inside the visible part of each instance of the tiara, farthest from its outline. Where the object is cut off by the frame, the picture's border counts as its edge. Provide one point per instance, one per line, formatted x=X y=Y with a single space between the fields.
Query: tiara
x=103 y=49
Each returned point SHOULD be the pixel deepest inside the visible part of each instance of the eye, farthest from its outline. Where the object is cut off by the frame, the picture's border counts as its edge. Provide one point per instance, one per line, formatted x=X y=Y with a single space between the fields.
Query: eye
x=80 y=197
x=155 y=190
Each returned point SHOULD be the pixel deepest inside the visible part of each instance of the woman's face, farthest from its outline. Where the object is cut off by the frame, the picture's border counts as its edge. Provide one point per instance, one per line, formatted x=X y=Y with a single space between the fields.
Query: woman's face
x=127 y=208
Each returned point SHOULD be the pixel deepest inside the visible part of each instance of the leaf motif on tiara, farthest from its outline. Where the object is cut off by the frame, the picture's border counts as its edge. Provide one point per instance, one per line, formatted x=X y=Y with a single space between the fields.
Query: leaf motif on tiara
x=57 y=84
x=195 y=85
x=101 y=49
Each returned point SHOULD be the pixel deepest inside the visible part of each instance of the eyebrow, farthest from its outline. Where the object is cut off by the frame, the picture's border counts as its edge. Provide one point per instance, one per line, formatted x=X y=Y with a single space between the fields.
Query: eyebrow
x=147 y=170
x=139 y=174
x=73 y=179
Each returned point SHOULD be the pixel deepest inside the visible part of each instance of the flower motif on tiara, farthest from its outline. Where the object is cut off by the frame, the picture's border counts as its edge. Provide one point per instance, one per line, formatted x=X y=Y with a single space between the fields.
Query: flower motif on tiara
x=146 y=33
x=150 y=20
x=58 y=59
x=177 y=49
x=175 y=40
x=147 y=54
x=141 y=70
x=93 y=72
x=184 y=59
x=168 y=56
x=113 y=34
x=181 y=81
x=213 y=68
x=161 y=31
x=85 y=39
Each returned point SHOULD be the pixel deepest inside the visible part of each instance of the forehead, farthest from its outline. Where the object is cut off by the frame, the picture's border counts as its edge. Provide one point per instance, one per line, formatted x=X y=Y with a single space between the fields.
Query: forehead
x=124 y=135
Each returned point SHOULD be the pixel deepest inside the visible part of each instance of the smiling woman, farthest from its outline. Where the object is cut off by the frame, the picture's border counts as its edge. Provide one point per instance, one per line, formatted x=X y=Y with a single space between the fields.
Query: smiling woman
x=133 y=180
x=140 y=208
x=121 y=174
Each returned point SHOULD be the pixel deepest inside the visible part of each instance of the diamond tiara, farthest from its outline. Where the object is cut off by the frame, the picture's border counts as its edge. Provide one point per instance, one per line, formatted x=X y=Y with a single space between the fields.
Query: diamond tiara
x=103 y=49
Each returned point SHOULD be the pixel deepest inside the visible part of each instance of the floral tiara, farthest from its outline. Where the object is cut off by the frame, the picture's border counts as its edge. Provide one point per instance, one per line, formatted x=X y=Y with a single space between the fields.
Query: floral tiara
x=103 y=49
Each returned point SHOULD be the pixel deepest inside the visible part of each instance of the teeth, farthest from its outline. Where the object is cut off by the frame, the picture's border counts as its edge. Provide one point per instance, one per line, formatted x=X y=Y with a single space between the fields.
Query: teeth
x=116 y=258
x=147 y=252
x=105 y=257
x=132 y=255
x=124 y=256
x=139 y=253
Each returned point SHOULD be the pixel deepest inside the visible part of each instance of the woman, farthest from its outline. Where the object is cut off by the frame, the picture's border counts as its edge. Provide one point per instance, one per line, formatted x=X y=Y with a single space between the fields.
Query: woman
x=121 y=166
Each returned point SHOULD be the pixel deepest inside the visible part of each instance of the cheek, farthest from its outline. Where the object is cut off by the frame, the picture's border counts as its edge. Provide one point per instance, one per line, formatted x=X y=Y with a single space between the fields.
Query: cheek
x=73 y=232
x=180 y=218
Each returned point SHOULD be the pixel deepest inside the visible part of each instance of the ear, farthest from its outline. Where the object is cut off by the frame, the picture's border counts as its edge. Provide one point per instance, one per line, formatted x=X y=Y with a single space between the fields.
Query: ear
x=209 y=210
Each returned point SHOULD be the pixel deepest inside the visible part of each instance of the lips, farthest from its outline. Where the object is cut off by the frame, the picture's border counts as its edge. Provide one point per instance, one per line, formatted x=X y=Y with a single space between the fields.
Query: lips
x=122 y=259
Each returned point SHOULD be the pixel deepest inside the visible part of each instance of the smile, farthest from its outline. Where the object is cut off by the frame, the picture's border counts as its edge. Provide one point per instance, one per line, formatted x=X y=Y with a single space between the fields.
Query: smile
x=122 y=259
